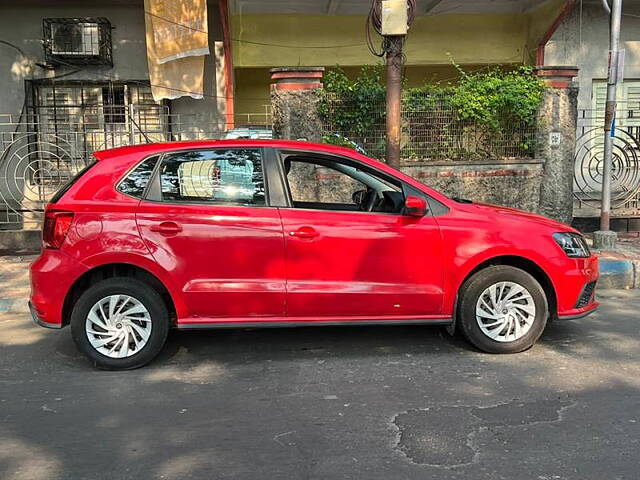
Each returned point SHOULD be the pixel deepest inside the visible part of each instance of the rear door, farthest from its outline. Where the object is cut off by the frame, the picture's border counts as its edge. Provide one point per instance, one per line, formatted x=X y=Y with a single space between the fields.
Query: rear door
x=206 y=220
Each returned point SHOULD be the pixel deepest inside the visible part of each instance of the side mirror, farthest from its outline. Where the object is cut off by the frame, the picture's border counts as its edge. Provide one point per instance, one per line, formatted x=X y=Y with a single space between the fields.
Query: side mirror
x=415 y=206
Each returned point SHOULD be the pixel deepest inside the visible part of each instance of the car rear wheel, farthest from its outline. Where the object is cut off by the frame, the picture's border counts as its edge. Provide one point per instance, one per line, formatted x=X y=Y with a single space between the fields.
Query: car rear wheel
x=120 y=323
x=502 y=309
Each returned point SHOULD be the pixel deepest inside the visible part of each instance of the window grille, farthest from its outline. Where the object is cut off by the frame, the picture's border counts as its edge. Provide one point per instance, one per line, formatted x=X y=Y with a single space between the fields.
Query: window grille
x=77 y=41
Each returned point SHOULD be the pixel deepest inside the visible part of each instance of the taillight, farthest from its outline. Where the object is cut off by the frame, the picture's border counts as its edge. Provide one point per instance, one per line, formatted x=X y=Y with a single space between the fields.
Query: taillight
x=56 y=227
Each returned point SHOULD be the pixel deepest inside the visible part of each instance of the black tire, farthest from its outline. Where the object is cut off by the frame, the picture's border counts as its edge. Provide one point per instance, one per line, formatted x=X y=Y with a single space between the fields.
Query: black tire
x=476 y=285
x=151 y=300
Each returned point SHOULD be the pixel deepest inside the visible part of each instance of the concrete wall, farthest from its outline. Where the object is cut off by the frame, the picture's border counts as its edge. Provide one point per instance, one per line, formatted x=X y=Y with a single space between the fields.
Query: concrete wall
x=582 y=39
x=514 y=184
x=21 y=24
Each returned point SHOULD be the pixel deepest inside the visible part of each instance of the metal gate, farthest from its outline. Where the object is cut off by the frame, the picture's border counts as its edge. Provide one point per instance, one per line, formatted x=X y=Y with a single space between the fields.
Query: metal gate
x=43 y=147
x=625 y=182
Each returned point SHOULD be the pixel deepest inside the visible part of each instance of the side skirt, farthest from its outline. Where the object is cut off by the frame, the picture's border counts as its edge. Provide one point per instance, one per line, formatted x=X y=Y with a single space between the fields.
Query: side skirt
x=321 y=323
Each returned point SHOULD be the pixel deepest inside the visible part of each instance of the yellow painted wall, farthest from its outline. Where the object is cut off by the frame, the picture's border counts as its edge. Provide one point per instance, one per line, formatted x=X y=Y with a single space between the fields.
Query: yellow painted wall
x=538 y=22
x=265 y=41
x=291 y=40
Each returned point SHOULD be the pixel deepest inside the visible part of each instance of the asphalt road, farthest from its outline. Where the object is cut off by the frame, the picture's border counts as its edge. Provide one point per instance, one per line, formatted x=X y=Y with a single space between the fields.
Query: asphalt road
x=328 y=403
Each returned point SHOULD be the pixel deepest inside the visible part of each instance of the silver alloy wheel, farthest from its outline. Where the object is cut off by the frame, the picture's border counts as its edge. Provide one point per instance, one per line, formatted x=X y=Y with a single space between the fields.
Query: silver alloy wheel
x=505 y=311
x=118 y=326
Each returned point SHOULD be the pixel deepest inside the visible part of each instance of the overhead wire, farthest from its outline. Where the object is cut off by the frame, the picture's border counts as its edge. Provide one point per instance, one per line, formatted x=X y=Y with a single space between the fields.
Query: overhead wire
x=253 y=42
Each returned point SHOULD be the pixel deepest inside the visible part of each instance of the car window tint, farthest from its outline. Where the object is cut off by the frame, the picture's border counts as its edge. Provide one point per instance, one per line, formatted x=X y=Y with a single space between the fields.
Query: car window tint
x=310 y=182
x=221 y=176
x=137 y=180
x=334 y=185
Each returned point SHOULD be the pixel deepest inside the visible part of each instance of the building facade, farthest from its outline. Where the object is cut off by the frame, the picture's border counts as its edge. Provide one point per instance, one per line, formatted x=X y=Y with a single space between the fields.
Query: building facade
x=54 y=114
x=581 y=38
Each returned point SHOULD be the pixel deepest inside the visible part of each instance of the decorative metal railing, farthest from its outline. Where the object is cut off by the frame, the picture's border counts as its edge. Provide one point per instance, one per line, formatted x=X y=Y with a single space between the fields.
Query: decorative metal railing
x=625 y=181
x=45 y=147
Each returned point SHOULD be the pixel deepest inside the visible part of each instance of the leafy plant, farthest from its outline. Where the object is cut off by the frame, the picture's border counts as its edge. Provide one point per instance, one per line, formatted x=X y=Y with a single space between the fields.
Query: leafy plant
x=487 y=113
x=353 y=107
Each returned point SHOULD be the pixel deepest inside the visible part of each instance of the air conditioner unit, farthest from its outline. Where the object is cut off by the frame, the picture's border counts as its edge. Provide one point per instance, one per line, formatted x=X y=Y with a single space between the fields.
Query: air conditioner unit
x=77 y=41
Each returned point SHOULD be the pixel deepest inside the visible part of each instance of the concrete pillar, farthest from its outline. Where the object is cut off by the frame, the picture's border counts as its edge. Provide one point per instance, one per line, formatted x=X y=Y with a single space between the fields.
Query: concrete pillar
x=556 y=141
x=294 y=103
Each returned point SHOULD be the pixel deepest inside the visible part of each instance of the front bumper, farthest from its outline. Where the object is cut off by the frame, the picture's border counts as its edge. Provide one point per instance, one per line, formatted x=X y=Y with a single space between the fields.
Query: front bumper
x=579 y=312
x=575 y=284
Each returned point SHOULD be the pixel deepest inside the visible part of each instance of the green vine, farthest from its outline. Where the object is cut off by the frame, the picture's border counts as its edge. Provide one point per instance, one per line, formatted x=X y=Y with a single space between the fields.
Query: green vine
x=488 y=113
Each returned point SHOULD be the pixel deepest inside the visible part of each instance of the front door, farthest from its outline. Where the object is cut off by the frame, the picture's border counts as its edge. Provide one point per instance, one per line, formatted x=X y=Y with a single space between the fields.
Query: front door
x=211 y=229
x=350 y=252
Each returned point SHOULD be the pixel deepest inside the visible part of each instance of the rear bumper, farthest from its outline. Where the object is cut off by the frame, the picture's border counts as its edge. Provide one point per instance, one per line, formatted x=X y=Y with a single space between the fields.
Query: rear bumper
x=53 y=274
x=38 y=321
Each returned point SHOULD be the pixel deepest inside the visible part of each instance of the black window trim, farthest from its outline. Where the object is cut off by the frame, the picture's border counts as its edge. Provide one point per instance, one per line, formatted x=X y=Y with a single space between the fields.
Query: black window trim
x=154 y=187
x=436 y=208
x=131 y=169
x=284 y=153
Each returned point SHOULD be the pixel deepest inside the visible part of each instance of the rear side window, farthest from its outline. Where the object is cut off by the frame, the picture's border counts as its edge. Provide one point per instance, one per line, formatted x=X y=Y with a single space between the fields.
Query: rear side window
x=137 y=180
x=60 y=193
x=220 y=176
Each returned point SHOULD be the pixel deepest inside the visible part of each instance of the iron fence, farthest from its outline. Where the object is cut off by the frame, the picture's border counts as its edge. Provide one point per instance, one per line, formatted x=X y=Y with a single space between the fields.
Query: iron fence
x=589 y=155
x=432 y=129
x=42 y=149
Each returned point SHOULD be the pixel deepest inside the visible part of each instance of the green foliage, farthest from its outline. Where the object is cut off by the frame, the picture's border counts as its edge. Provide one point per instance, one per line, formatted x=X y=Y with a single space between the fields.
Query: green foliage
x=487 y=113
x=353 y=107
x=497 y=99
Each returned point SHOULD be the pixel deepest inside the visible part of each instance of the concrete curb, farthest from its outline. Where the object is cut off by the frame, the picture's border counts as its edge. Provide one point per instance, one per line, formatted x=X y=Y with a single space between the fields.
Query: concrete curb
x=20 y=240
x=618 y=274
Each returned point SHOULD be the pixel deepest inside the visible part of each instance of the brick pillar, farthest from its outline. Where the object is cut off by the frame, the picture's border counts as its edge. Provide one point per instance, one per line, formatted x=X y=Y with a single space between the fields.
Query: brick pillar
x=294 y=102
x=556 y=141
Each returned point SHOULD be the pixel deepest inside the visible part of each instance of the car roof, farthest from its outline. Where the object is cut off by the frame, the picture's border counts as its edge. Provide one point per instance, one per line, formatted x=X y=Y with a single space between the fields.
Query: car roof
x=151 y=148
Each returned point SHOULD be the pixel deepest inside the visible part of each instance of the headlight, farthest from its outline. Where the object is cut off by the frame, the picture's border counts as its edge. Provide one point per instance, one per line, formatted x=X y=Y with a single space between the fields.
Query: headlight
x=573 y=244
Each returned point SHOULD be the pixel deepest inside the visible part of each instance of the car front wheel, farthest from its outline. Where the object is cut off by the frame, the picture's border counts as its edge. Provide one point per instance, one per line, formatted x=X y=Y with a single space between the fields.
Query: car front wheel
x=120 y=323
x=502 y=309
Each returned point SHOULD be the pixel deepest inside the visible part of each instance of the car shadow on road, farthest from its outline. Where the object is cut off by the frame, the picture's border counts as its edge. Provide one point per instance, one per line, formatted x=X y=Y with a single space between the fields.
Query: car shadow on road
x=245 y=345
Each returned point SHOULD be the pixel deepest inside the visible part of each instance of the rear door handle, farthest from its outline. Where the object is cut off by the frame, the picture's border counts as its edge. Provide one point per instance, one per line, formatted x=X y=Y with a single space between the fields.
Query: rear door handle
x=166 y=228
x=304 y=232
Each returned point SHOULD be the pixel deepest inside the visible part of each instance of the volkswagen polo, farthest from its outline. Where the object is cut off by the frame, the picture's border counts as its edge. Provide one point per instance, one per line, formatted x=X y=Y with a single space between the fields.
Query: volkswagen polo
x=242 y=233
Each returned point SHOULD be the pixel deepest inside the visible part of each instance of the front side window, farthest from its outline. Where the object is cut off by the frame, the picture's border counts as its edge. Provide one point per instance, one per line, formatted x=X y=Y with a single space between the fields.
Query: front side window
x=221 y=176
x=330 y=185
x=135 y=183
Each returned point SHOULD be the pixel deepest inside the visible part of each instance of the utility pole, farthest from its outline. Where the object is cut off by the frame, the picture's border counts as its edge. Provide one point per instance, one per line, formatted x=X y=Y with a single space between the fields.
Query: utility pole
x=391 y=19
x=605 y=238
x=394 y=100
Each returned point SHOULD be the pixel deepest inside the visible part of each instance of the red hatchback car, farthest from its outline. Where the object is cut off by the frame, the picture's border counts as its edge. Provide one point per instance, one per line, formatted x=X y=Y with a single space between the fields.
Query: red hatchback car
x=239 y=233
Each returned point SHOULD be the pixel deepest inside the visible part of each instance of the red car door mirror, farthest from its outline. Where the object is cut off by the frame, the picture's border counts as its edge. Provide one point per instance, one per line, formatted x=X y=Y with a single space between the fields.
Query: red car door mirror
x=415 y=206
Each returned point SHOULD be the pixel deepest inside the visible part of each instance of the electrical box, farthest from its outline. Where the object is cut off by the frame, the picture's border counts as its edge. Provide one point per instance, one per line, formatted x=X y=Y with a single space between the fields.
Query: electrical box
x=394 y=17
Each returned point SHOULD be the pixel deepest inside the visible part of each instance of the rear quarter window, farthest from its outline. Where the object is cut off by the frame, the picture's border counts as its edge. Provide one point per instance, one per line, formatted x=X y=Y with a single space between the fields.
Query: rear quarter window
x=136 y=181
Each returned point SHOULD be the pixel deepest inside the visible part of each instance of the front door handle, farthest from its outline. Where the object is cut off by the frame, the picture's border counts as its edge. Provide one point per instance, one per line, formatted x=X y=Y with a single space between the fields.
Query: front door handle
x=304 y=232
x=166 y=228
